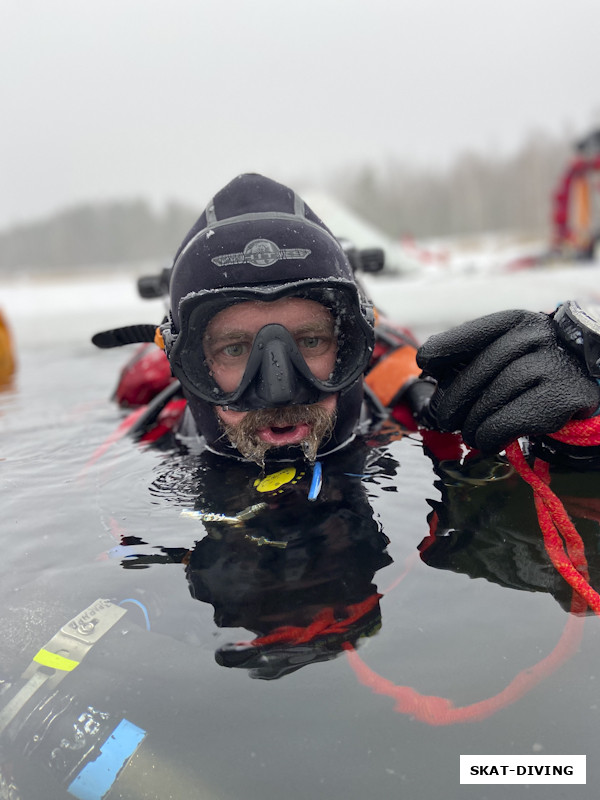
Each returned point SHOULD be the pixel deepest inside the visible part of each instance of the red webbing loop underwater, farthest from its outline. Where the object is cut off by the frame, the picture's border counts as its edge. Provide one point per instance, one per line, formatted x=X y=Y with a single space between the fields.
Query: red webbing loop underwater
x=323 y=624
x=566 y=551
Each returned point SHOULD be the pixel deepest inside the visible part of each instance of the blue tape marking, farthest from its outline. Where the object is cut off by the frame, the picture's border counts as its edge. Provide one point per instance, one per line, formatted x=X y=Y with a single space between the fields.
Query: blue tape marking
x=97 y=777
x=317 y=481
x=142 y=606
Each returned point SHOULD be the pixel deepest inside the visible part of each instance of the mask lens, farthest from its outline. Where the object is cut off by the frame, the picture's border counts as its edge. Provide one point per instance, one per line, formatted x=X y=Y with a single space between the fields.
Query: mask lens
x=290 y=329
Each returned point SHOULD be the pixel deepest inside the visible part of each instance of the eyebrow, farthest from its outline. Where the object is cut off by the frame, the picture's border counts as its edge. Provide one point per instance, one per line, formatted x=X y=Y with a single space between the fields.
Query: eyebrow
x=235 y=334
x=226 y=335
x=314 y=327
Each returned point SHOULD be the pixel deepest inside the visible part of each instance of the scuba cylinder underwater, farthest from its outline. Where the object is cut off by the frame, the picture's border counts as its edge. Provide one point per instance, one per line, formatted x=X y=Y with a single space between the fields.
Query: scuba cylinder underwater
x=67 y=729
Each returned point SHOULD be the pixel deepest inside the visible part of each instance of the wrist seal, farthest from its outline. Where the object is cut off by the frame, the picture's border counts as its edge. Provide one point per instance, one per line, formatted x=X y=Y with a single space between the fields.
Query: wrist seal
x=578 y=329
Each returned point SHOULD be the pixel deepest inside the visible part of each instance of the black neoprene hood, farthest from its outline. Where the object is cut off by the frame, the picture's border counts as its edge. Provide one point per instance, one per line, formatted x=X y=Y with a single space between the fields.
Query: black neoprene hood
x=255 y=231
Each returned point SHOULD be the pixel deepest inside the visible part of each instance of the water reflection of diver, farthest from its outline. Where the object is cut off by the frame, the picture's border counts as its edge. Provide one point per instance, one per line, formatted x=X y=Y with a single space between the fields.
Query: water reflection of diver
x=274 y=561
x=485 y=525
x=297 y=573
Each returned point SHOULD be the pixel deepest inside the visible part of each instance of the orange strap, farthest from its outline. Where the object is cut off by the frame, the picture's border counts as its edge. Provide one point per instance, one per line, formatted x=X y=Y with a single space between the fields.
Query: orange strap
x=389 y=376
x=563 y=543
x=434 y=710
x=158 y=339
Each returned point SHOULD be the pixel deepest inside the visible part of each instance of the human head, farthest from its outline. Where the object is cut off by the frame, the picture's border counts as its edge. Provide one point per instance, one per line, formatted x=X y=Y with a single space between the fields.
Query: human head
x=257 y=246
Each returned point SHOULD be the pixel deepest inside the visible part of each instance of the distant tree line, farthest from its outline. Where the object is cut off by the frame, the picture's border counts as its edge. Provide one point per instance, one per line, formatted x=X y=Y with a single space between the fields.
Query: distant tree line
x=477 y=192
x=99 y=233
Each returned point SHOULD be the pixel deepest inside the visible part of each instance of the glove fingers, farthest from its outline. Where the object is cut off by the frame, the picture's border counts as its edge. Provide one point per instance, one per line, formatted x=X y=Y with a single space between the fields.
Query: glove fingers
x=458 y=345
x=454 y=402
x=532 y=413
x=528 y=399
x=519 y=378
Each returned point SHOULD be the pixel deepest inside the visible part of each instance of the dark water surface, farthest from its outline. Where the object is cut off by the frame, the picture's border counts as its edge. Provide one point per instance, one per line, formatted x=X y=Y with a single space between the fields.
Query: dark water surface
x=284 y=720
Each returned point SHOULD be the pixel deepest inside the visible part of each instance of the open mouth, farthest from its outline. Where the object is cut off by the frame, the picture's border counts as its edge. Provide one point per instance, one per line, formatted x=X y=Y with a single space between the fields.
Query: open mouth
x=285 y=434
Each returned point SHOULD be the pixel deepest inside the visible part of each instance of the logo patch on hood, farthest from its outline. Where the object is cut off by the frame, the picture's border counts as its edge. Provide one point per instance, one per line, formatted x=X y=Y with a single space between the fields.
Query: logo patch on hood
x=261 y=253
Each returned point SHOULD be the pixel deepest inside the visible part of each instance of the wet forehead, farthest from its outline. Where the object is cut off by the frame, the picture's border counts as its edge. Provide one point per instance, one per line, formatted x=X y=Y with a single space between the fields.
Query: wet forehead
x=294 y=313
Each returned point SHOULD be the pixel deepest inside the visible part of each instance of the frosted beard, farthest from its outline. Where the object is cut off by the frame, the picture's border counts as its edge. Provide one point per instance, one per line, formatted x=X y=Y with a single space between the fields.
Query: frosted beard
x=246 y=439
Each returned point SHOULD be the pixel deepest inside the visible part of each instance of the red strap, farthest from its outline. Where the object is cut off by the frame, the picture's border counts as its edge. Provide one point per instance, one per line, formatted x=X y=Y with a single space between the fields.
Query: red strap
x=566 y=553
x=117 y=434
x=323 y=624
x=166 y=421
x=580 y=432
x=441 y=711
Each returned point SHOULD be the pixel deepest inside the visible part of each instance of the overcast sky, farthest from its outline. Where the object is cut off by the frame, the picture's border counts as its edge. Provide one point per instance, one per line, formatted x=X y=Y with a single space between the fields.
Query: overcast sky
x=172 y=98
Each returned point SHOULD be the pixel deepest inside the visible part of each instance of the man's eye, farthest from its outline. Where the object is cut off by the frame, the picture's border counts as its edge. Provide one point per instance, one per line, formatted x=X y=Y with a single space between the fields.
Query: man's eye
x=235 y=349
x=310 y=342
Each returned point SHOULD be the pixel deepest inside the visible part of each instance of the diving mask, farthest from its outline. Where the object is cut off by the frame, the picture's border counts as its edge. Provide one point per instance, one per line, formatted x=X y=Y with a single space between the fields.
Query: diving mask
x=275 y=371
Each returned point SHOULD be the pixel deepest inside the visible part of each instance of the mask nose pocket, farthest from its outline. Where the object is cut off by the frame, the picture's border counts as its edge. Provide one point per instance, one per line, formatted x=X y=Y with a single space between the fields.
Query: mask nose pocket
x=277 y=383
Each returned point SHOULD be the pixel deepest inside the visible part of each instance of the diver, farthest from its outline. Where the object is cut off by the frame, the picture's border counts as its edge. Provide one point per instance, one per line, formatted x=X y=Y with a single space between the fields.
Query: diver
x=275 y=357
x=279 y=354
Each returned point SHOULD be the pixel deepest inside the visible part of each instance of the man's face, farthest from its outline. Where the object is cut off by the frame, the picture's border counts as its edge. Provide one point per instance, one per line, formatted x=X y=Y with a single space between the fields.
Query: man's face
x=227 y=344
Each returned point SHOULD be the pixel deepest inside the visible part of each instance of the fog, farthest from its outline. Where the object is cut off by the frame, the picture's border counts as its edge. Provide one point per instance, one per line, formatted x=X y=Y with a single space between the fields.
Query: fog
x=171 y=100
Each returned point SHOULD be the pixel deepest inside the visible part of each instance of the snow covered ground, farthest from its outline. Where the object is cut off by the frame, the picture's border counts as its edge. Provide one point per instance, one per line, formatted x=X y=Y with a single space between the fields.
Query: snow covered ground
x=439 y=300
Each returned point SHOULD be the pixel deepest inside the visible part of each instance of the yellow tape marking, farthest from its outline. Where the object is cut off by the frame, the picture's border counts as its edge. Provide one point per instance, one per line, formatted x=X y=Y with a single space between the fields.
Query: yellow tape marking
x=272 y=482
x=54 y=661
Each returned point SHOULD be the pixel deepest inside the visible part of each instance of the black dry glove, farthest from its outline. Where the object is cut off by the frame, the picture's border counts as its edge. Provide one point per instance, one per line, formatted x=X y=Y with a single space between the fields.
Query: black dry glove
x=503 y=376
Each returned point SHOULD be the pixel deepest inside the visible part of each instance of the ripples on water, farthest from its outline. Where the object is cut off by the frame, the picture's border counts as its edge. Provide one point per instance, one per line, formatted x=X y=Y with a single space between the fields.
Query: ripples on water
x=74 y=531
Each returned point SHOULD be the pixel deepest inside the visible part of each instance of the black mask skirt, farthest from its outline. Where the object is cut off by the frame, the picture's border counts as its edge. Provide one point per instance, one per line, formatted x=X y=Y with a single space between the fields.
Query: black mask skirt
x=276 y=374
